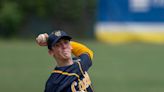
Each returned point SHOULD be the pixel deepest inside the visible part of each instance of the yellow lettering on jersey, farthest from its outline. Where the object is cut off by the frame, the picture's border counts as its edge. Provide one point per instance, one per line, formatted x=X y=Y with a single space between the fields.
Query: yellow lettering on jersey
x=82 y=84
x=73 y=86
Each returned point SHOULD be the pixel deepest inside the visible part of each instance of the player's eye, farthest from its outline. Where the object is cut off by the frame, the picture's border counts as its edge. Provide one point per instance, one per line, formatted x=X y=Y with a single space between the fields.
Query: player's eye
x=57 y=45
x=66 y=42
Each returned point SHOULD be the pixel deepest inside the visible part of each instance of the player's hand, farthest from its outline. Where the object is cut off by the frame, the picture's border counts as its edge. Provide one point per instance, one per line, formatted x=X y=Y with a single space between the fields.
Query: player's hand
x=42 y=39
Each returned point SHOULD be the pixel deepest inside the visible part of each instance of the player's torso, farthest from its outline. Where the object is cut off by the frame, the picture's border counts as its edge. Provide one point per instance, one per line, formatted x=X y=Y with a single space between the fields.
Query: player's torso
x=69 y=79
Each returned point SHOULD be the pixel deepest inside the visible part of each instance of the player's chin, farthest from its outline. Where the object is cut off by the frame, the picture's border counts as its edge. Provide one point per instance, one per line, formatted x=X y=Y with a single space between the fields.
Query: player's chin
x=66 y=56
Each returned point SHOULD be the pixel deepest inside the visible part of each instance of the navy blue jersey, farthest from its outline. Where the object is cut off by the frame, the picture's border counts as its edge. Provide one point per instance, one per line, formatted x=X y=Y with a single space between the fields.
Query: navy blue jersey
x=72 y=78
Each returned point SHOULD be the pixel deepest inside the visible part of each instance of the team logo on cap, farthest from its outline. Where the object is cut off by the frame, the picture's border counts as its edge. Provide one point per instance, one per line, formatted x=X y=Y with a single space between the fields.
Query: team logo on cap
x=58 y=33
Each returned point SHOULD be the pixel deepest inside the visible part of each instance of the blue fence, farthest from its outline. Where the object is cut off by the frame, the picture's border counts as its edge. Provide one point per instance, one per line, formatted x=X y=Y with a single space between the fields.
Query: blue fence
x=131 y=11
x=130 y=20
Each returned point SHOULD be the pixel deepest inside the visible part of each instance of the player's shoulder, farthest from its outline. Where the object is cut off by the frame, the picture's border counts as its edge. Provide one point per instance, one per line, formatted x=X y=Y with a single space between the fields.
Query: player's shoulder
x=76 y=59
x=83 y=56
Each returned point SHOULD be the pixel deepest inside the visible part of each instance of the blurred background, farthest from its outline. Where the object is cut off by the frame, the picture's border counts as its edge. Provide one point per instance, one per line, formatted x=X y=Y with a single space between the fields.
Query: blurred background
x=127 y=37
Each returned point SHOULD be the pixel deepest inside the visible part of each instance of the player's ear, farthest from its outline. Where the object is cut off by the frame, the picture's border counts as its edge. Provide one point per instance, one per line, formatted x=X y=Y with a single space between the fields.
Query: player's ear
x=50 y=52
x=71 y=47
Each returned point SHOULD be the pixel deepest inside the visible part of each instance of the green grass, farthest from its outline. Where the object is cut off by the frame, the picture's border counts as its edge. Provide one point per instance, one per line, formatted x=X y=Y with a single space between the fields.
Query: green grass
x=25 y=67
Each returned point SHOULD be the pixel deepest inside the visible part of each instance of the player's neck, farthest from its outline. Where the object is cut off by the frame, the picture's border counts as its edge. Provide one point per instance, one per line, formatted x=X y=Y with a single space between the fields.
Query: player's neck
x=61 y=63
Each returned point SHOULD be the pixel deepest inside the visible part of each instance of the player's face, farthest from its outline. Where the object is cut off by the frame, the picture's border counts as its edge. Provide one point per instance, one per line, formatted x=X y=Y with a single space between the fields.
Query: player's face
x=62 y=49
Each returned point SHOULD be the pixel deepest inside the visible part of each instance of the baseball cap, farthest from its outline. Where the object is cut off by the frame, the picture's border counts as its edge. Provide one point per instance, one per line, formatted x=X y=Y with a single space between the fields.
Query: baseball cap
x=55 y=36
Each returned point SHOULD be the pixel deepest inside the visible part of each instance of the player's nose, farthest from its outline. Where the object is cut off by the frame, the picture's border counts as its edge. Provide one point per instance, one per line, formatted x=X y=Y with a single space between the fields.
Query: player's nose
x=63 y=45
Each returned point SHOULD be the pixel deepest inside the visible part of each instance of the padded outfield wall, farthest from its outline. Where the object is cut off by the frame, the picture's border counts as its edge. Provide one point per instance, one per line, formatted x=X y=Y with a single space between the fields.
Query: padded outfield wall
x=120 y=21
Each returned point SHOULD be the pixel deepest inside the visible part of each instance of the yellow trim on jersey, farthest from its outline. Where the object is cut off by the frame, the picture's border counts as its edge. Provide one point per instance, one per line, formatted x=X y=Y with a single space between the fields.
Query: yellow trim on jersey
x=84 y=74
x=80 y=68
x=79 y=49
x=66 y=73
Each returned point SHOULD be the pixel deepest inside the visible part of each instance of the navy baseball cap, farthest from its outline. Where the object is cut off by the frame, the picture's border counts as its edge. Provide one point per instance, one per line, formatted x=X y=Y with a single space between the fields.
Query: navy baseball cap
x=55 y=36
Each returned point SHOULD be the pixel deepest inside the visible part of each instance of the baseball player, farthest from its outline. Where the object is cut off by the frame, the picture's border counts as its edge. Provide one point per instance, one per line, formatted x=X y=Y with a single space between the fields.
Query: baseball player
x=70 y=74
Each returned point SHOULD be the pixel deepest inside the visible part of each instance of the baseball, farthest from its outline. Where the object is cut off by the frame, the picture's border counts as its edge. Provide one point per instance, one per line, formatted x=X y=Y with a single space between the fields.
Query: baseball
x=42 y=38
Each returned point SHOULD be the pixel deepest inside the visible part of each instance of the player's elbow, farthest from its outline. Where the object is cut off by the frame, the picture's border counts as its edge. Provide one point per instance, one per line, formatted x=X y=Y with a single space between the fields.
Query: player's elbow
x=90 y=63
x=91 y=58
x=90 y=53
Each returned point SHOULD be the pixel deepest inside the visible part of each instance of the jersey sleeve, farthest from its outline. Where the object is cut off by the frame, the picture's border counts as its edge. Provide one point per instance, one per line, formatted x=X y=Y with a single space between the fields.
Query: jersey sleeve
x=85 y=62
x=79 y=49
x=84 y=53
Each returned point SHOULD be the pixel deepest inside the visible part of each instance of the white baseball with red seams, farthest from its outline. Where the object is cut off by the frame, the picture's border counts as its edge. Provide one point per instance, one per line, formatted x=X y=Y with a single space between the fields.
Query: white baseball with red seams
x=42 y=38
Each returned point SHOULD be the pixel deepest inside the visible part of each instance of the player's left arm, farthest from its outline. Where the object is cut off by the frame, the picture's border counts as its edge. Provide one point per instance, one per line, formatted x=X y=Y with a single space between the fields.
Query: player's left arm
x=84 y=53
x=79 y=49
